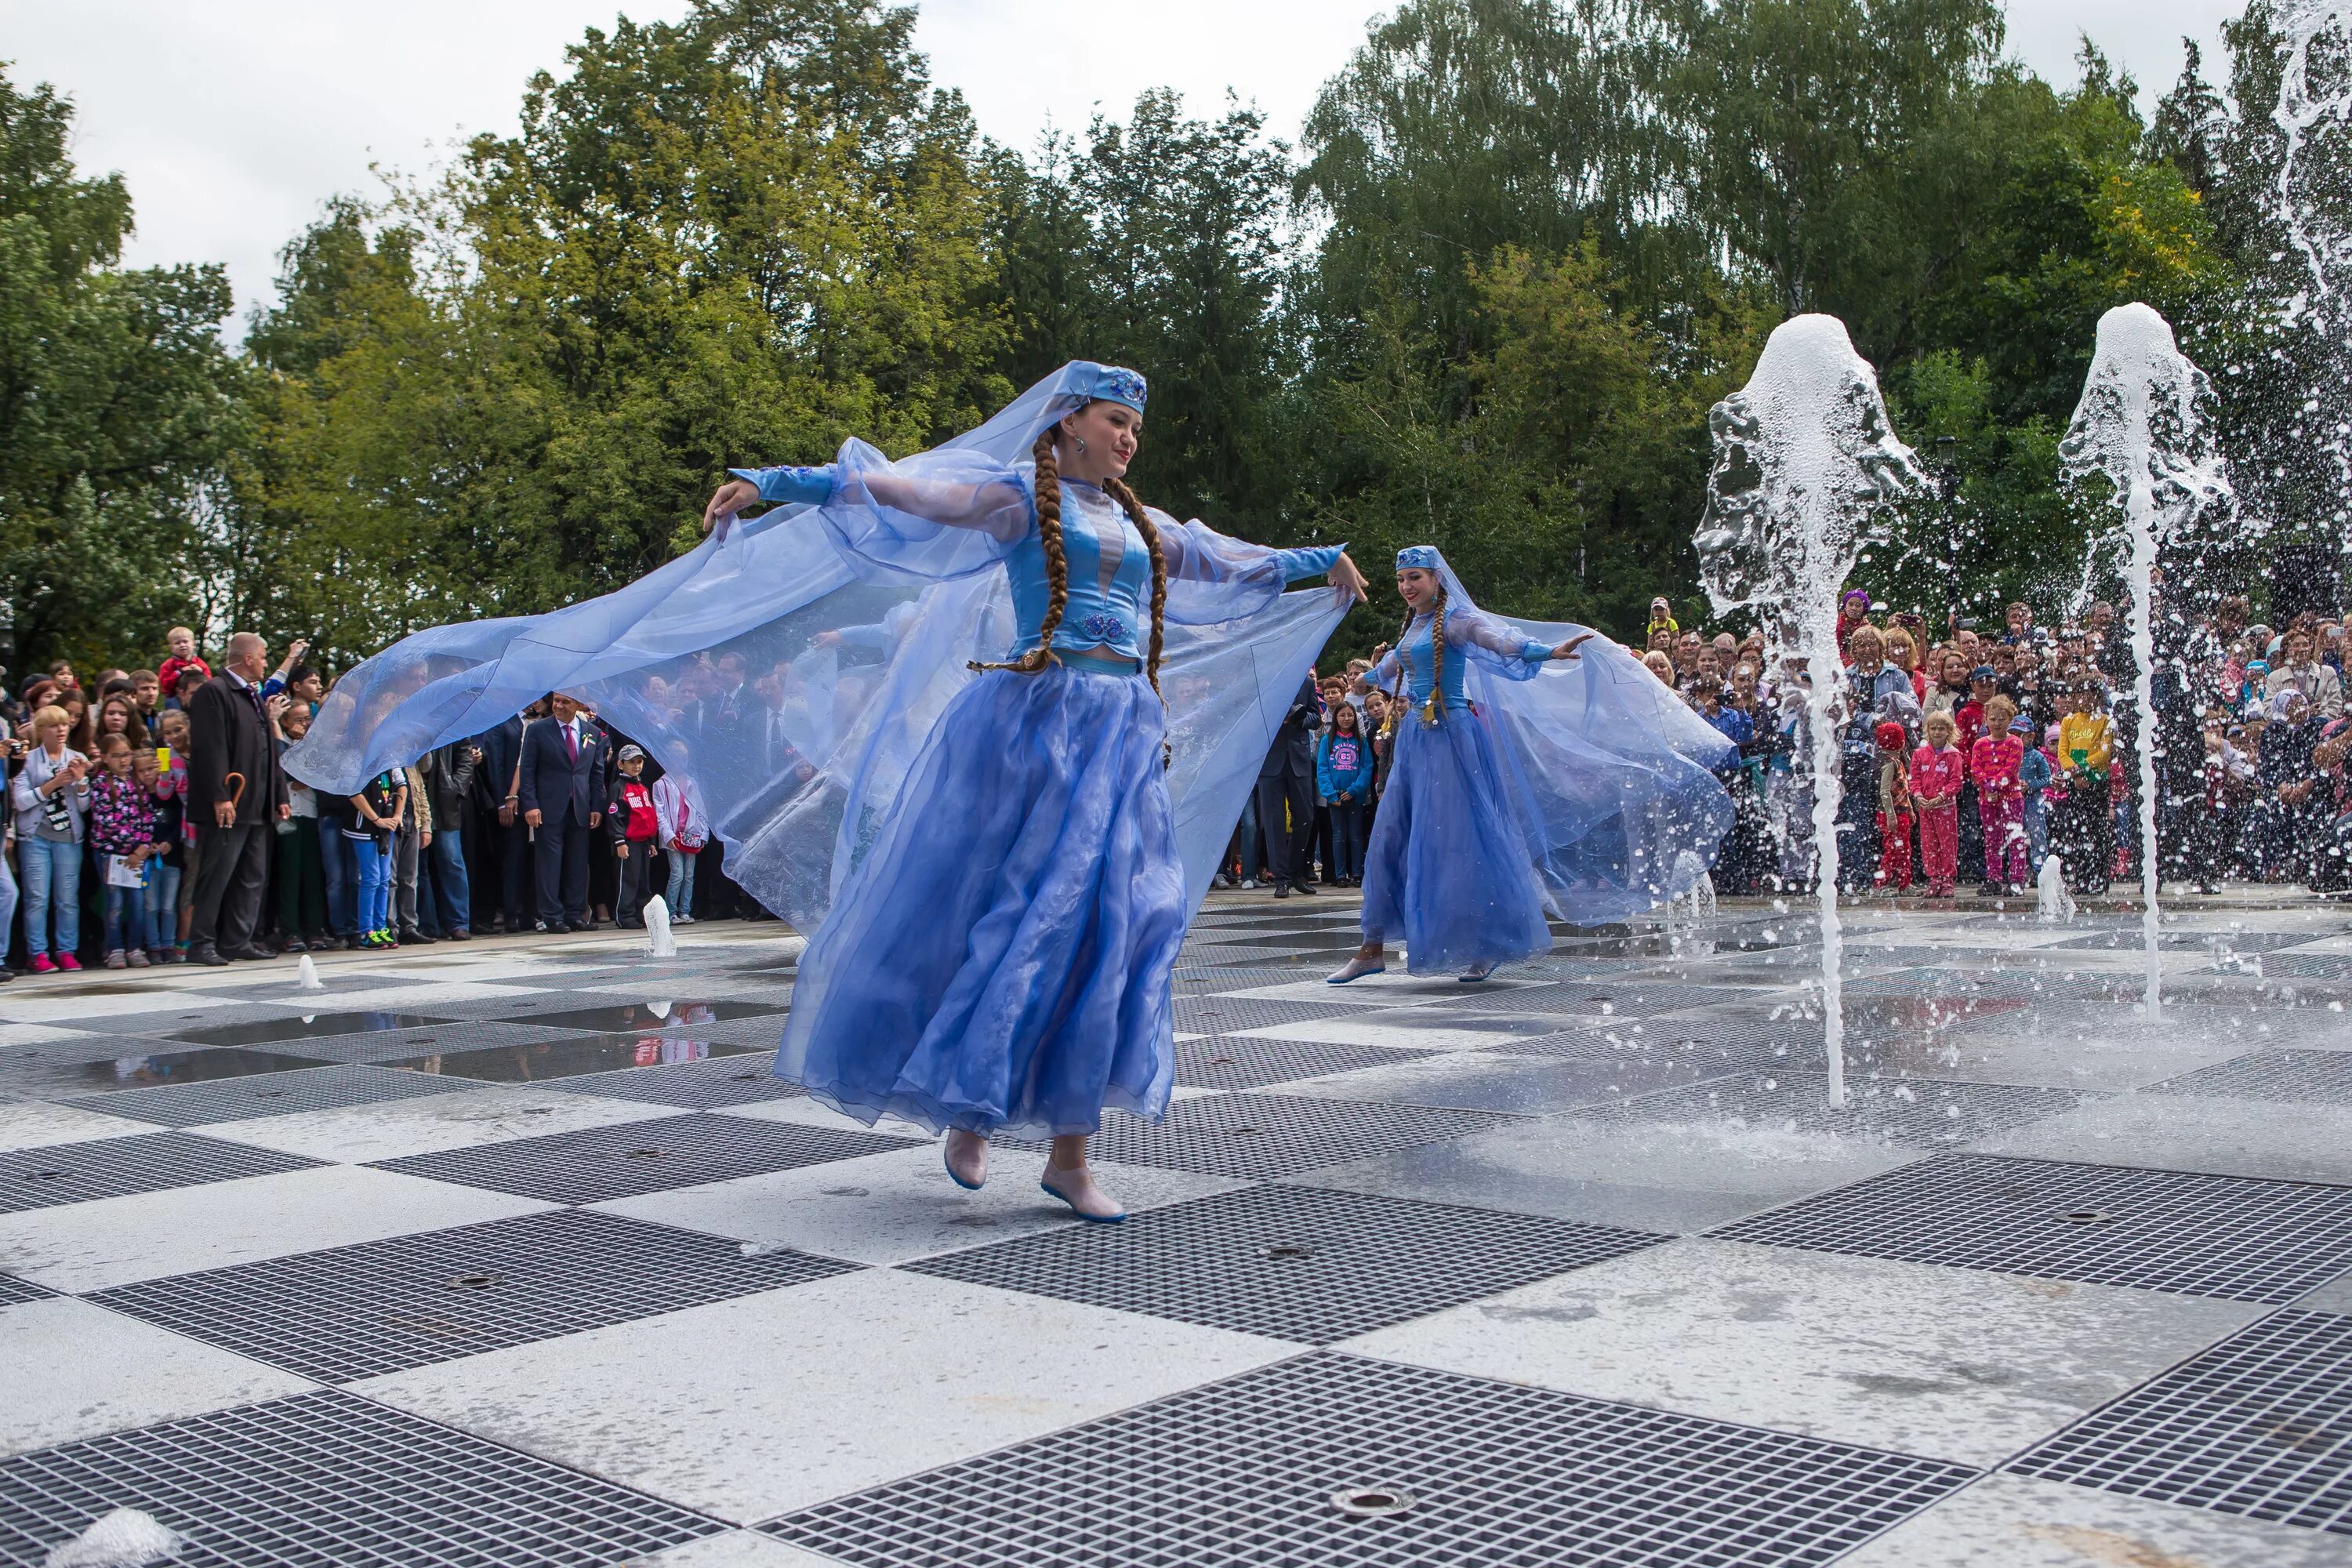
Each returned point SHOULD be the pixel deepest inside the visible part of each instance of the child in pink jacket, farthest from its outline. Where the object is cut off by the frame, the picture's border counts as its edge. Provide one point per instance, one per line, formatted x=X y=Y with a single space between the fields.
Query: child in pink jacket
x=1993 y=763
x=1938 y=771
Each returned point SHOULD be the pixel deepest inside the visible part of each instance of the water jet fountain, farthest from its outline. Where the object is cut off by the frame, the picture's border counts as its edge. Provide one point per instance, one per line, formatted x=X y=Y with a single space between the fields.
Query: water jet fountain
x=2141 y=425
x=1805 y=459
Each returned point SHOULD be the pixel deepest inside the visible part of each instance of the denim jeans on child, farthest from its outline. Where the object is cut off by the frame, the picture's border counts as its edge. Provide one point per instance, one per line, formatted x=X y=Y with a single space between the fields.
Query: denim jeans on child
x=680 y=897
x=162 y=897
x=52 y=869
x=373 y=896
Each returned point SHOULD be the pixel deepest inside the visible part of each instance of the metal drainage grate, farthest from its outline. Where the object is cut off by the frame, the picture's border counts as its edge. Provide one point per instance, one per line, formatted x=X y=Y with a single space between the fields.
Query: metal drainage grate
x=331 y=1479
x=2261 y=1424
x=603 y=1163
x=1622 y=998
x=1245 y=1471
x=1298 y=1263
x=1197 y=983
x=116 y=1167
x=742 y=1079
x=2232 y=1236
x=2220 y=942
x=375 y=1307
x=1232 y=1014
x=1928 y=1113
x=2307 y=966
x=275 y=1094
x=13 y=1290
x=550 y=1060
x=1222 y=1061
x=2294 y=1077
x=1270 y=1135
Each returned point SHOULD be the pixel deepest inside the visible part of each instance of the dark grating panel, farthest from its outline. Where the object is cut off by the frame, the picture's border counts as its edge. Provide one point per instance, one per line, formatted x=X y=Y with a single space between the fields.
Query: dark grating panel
x=2290 y=1078
x=605 y=1162
x=2261 y=1424
x=1242 y=1472
x=1231 y=1061
x=374 y=1307
x=13 y=1290
x=1232 y=1014
x=1271 y=1135
x=2232 y=1236
x=271 y=1094
x=332 y=1480
x=116 y=1167
x=1298 y=1263
x=317 y=1025
x=699 y=1085
x=394 y=1044
x=1925 y=1112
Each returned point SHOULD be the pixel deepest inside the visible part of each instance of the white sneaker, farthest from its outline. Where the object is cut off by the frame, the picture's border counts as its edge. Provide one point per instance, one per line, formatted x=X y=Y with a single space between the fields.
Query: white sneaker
x=1250 y=883
x=681 y=920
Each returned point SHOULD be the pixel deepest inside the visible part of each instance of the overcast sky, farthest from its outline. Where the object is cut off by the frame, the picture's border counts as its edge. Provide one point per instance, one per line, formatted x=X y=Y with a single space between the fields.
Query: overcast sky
x=233 y=120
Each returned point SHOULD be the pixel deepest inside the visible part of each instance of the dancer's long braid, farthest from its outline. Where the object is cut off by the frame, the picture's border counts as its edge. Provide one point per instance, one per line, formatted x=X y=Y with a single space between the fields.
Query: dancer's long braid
x=1432 y=712
x=1048 y=487
x=1119 y=491
x=1396 y=692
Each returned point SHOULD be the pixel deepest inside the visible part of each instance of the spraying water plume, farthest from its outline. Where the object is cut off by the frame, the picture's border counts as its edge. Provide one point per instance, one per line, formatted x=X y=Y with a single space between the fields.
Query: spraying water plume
x=2142 y=426
x=1805 y=463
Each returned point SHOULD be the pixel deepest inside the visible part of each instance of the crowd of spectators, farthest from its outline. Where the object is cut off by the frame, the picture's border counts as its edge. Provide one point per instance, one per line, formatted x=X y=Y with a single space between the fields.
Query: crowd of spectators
x=151 y=821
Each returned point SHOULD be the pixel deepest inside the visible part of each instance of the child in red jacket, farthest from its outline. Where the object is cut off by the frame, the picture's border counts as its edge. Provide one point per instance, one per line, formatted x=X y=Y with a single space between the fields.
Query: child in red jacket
x=1938 y=771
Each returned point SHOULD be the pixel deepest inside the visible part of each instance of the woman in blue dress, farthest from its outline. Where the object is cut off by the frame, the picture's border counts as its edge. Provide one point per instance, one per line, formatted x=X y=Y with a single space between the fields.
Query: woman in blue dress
x=998 y=959
x=1447 y=869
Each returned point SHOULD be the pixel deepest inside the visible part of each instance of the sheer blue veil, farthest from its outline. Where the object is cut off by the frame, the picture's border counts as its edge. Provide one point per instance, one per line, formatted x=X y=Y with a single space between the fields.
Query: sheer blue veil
x=1610 y=771
x=717 y=664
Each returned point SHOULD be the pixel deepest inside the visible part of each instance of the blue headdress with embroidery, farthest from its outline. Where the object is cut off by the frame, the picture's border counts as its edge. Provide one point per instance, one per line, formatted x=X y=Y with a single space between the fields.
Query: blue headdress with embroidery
x=1424 y=556
x=1117 y=383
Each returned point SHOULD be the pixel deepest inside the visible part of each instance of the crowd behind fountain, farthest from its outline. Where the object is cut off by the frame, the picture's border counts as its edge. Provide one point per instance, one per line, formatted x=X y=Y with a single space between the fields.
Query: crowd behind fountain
x=1969 y=754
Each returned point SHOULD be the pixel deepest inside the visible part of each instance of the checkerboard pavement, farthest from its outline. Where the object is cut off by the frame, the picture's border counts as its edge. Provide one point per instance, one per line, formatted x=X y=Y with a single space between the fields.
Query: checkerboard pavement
x=516 y=1255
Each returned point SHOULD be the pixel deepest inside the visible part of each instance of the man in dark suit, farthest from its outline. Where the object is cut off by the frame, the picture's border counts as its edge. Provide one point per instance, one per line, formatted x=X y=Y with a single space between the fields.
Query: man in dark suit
x=229 y=734
x=562 y=790
x=1286 y=777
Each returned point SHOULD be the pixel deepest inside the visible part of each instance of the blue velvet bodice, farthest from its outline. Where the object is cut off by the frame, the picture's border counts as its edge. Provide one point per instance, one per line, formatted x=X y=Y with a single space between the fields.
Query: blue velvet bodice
x=1108 y=610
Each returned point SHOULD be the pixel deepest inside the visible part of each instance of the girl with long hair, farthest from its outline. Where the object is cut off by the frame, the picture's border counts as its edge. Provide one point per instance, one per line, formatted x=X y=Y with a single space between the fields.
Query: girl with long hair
x=999 y=958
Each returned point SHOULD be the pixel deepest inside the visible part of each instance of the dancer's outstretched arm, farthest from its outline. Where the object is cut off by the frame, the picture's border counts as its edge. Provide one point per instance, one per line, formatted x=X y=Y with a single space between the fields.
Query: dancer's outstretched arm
x=998 y=508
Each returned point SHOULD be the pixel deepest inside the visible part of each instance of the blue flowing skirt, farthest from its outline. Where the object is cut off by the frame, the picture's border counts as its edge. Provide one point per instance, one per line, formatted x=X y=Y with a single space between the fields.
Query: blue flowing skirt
x=1001 y=960
x=1447 y=869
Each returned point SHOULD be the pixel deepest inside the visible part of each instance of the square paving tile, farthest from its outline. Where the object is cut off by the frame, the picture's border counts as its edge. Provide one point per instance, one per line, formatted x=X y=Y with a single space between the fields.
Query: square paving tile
x=275 y=1094
x=121 y=1064
x=1925 y=1112
x=1298 y=1263
x=733 y=1079
x=1952 y=1364
x=465 y=1116
x=348 y=1312
x=2014 y=1521
x=330 y=1479
x=1271 y=1135
x=890 y=1208
x=38 y=1123
x=1236 y=1061
x=77 y=1370
x=889 y=1372
x=1514 y=1086
x=2223 y=1137
x=1488 y=1474
x=86 y=1246
x=2239 y=1240
x=2261 y=1424
x=110 y=1167
x=589 y=1166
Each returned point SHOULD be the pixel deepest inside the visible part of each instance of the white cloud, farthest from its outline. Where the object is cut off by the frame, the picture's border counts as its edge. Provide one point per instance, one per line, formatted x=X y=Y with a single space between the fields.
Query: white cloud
x=234 y=120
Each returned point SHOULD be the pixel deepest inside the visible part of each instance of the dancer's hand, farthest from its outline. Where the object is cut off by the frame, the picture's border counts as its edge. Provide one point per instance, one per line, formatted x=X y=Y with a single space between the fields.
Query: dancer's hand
x=727 y=501
x=1568 y=649
x=1348 y=580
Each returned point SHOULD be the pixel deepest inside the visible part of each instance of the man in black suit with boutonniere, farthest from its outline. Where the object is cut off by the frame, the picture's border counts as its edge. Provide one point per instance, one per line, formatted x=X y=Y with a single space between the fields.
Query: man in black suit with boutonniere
x=562 y=789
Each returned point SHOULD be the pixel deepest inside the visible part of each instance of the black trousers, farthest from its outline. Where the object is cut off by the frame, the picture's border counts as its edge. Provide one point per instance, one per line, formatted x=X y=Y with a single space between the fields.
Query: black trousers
x=231 y=874
x=629 y=903
x=1286 y=853
x=516 y=898
x=562 y=858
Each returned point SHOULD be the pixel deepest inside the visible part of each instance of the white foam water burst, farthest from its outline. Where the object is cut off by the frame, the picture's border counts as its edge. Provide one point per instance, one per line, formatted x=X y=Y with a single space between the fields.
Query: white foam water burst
x=659 y=944
x=2314 y=114
x=2052 y=900
x=123 y=1539
x=1806 y=464
x=2143 y=426
x=306 y=975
